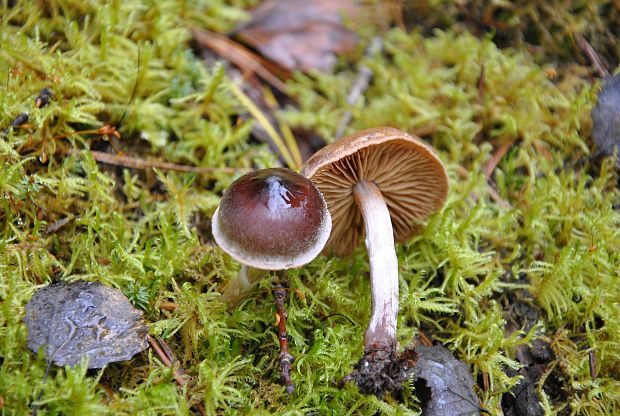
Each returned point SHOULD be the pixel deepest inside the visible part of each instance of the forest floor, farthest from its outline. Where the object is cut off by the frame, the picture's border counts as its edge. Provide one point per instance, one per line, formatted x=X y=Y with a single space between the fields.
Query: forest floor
x=122 y=123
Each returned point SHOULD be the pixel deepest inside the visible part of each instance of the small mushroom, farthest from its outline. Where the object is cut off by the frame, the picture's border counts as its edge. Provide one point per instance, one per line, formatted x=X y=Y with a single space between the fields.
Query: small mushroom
x=271 y=219
x=381 y=182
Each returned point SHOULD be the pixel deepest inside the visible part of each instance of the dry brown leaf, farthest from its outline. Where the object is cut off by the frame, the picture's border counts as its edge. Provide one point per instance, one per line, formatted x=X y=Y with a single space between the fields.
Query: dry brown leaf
x=301 y=34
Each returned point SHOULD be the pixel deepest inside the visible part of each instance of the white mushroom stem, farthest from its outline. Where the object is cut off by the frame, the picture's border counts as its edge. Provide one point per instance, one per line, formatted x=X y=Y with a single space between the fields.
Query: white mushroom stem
x=381 y=330
x=242 y=284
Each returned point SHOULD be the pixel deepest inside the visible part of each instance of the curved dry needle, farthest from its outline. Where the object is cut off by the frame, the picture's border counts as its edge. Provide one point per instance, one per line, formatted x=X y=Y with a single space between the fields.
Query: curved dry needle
x=50 y=360
x=165 y=354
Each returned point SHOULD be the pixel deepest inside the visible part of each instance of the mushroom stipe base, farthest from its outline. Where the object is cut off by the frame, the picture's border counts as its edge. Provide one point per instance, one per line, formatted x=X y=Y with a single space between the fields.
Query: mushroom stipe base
x=381 y=371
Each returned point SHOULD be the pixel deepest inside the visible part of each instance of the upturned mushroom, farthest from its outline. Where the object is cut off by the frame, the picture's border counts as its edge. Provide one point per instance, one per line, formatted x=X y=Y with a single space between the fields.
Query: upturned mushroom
x=271 y=219
x=379 y=182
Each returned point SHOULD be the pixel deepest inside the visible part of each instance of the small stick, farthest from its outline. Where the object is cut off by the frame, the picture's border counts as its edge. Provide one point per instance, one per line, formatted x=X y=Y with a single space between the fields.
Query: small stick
x=424 y=130
x=424 y=339
x=497 y=157
x=168 y=306
x=485 y=381
x=136 y=163
x=57 y=225
x=167 y=357
x=360 y=85
x=490 y=167
x=598 y=66
x=286 y=359
x=238 y=55
x=592 y=362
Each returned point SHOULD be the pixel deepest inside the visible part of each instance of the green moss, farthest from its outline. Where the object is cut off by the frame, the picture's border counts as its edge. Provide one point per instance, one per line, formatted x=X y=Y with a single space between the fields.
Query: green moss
x=549 y=29
x=128 y=64
x=560 y=229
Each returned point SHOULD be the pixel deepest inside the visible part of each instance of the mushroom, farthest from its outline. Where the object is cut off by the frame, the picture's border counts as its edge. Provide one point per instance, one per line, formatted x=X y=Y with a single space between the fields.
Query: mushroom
x=271 y=219
x=381 y=182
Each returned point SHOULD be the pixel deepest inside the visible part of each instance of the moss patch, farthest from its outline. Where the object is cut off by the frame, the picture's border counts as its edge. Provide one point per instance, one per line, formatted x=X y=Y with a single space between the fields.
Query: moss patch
x=545 y=232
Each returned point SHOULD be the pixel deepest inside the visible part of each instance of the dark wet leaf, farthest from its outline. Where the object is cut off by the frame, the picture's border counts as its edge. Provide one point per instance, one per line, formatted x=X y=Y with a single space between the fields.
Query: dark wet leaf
x=447 y=382
x=84 y=319
x=606 y=118
x=300 y=34
x=523 y=399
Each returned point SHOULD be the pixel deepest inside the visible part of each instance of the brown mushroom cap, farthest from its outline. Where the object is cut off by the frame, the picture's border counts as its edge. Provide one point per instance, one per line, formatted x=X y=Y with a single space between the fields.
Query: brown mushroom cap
x=272 y=219
x=412 y=180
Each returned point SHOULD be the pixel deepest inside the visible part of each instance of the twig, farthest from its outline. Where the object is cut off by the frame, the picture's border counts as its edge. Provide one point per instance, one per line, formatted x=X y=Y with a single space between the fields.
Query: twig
x=490 y=167
x=134 y=89
x=497 y=157
x=168 y=306
x=136 y=163
x=592 y=362
x=598 y=66
x=167 y=357
x=238 y=55
x=424 y=339
x=360 y=85
x=272 y=104
x=286 y=359
x=165 y=354
x=57 y=225
x=479 y=117
x=351 y=321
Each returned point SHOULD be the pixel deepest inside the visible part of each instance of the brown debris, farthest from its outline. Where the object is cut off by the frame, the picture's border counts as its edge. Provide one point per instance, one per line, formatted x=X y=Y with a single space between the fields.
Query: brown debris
x=497 y=157
x=595 y=60
x=165 y=354
x=244 y=59
x=301 y=34
x=381 y=371
x=137 y=163
x=286 y=359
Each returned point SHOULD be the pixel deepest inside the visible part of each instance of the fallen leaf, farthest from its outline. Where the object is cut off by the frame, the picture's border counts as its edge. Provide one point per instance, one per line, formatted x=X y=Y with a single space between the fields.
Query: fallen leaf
x=448 y=381
x=84 y=319
x=301 y=34
x=606 y=118
x=523 y=400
